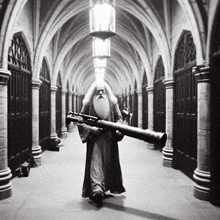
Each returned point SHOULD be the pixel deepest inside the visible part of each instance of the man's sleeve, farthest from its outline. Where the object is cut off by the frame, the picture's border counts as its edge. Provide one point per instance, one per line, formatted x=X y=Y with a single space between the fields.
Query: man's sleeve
x=85 y=131
x=117 y=114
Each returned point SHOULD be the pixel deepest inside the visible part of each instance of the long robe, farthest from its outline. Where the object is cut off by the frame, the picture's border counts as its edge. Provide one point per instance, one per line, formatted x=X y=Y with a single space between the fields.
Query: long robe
x=108 y=142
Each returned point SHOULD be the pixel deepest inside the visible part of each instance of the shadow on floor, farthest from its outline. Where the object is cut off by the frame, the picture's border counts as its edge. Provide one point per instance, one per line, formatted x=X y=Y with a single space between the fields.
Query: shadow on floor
x=117 y=204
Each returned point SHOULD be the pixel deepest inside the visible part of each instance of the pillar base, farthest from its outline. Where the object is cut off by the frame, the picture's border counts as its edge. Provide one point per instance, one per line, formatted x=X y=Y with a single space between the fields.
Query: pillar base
x=167 y=156
x=5 y=184
x=70 y=127
x=53 y=136
x=202 y=185
x=201 y=194
x=64 y=132
x=37 y=154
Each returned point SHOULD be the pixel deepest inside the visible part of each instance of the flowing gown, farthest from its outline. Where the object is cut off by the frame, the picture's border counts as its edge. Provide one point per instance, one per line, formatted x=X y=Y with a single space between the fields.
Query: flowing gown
x=102 y=167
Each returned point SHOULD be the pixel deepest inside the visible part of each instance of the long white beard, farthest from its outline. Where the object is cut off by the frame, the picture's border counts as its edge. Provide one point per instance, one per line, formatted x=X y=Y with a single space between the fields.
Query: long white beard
x=101 y=106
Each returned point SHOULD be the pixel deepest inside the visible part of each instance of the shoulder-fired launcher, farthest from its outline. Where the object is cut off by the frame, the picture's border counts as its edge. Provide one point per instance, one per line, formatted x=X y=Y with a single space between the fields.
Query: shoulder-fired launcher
x=139 y=133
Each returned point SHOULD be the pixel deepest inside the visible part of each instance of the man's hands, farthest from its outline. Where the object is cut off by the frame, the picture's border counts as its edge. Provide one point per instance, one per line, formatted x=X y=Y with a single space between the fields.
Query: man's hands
x=96 y=130
x=119 y=135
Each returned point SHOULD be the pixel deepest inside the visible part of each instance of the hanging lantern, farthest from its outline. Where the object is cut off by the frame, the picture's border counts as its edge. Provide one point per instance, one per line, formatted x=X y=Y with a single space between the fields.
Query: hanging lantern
x=101 y=48
x=99 y=63
x=102 y=18
x=99 y=70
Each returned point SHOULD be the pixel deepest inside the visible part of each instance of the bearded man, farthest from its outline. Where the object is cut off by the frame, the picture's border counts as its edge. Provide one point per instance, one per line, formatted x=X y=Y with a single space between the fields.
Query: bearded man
x=102 y=169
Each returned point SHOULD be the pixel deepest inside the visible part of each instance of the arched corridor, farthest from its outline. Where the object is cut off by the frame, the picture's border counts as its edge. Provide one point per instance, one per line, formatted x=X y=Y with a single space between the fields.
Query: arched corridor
x=163 y=68
x=53 y=190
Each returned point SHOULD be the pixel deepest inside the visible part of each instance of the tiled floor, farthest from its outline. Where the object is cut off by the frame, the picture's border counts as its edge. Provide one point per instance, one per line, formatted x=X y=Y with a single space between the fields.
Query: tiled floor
x=53 y=190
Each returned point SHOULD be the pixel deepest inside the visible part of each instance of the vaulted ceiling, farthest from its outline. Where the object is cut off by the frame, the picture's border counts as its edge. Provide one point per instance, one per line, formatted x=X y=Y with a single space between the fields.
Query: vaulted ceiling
x=65 y=25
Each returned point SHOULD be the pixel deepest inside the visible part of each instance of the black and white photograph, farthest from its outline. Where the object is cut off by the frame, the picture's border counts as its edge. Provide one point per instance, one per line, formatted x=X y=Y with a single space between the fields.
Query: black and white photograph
x=109 y=109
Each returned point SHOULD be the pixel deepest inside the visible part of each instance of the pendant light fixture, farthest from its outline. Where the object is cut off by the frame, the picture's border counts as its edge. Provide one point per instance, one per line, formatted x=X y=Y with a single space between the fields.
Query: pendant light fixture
x=101 y=48
x=102 y=18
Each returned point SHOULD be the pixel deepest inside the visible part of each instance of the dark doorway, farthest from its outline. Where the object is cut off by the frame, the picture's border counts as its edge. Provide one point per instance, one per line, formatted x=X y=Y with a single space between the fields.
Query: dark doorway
x=19 y=104
x=185 y=107
x=159 y=100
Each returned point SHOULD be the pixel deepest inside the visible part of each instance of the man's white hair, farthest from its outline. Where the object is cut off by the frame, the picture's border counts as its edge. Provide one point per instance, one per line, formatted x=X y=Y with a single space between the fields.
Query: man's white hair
x=91 y=91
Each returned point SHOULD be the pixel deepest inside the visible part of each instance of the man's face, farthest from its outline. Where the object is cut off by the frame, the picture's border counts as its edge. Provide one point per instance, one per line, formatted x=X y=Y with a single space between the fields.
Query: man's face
x=101 y=103
x=100 y=92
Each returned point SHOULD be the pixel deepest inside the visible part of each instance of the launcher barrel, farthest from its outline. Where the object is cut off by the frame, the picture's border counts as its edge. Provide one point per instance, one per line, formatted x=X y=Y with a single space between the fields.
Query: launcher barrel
x=139 y=133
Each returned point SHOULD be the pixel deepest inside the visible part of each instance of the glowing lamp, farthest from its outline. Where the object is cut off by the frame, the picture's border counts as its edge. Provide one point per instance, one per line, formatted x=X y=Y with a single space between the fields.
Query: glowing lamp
x=101 y=48
x=102 y=18
x=99 y=63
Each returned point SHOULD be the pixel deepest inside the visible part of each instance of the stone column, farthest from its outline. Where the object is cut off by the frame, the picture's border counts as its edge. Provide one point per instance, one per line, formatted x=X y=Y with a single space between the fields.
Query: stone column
x=128 y=102
x=168 y=148
x=5 y=172
x=70 y=101
x=140 y=109
x=78 y=106
x=36 y=148
x=129 y=109
x=64 y=128
x=53 y=90
x=202 y=174
x=70 y=126
x=132 y=109
x=54 y=143
x=150 y=91
x=75 y=102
